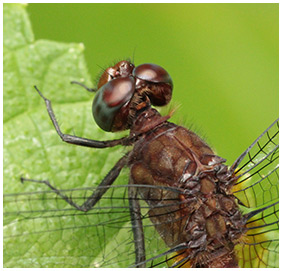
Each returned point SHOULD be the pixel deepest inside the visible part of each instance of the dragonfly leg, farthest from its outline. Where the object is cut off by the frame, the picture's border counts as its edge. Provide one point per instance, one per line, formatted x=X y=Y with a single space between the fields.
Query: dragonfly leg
x=125 y=141
x=96 y=195
x=137 y=227
x=84 y=86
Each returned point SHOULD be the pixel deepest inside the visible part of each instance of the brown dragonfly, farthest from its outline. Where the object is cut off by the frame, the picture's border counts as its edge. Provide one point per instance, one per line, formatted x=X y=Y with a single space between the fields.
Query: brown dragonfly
x=182 y=206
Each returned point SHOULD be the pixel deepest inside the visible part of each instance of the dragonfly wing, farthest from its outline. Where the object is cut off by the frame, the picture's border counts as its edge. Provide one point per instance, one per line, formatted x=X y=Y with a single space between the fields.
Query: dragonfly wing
x=260 y=245
x=257 y=190
x=257 y=170
x=42 y=230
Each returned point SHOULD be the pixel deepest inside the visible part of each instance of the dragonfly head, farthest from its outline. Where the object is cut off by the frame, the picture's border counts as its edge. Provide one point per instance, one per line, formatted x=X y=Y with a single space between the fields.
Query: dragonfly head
x=124 y=90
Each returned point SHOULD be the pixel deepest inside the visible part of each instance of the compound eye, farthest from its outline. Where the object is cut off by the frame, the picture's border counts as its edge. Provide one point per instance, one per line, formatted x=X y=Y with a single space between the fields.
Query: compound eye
x=107 y=76
x=110 y=99
x=152 y=73
x=155 y=81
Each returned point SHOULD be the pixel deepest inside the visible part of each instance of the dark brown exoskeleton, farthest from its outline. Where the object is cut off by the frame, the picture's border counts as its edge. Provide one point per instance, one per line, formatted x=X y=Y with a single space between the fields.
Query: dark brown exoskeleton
x=203 y=229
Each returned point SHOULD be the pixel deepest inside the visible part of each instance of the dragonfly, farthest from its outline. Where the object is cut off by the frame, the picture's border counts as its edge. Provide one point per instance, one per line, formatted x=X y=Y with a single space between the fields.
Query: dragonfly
x=182 y=206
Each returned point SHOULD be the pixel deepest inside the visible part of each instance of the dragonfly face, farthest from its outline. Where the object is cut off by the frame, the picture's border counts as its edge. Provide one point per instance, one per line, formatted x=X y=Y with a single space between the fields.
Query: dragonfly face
x=182 y=206
x=124 y=89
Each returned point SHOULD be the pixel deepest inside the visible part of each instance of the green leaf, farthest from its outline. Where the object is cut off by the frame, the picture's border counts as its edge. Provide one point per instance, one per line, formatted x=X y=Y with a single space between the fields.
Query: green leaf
x=33 y=149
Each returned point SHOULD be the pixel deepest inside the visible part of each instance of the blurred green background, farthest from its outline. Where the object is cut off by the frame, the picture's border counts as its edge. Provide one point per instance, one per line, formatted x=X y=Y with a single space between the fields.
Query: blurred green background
x=223 y=58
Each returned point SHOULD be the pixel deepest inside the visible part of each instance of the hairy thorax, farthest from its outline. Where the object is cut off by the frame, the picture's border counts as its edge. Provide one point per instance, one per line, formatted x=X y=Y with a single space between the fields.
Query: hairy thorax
x=207 y=217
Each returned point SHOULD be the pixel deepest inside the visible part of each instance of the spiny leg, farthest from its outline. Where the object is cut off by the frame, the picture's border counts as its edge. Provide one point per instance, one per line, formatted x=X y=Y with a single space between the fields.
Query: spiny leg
x=137 y=227
x=125 y=141
x=96 y=195
x=84 y=86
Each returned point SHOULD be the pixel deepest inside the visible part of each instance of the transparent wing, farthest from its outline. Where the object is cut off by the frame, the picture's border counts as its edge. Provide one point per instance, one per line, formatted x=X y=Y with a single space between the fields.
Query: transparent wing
x=257 y=169
x=257 y=189
x=42 y=230
x=260 y=245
